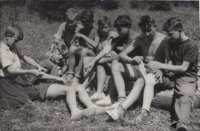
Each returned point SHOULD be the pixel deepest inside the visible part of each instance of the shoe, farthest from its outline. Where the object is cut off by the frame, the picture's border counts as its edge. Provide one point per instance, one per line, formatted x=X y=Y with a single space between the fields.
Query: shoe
x=181 y=127
x=104 y=102
x=143 y=119
x=97 y=97
x=102 y=110
x=89 y=112
x=117 y=113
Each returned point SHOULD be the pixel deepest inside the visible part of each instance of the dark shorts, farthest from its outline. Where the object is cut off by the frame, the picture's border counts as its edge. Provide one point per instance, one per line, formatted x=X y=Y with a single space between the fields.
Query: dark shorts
x=42 y=89
x=14 y=93
x=135 y=69
x=167 y=83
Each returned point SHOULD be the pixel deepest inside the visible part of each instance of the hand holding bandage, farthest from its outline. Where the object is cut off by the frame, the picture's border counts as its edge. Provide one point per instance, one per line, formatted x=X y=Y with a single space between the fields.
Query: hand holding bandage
x=154 y=65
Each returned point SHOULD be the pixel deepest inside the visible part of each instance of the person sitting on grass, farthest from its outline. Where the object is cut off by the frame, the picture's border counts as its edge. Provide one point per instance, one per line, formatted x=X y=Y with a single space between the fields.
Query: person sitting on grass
x=184 y=53
x=155 y=47
x=82 y=46
x=47 y=89
x=123 y=25
x=14 y=93
x=103 y=32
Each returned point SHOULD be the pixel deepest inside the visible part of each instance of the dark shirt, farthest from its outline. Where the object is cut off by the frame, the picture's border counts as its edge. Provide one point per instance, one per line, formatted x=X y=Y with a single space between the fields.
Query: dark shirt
x=92 y=33
x=186 y=51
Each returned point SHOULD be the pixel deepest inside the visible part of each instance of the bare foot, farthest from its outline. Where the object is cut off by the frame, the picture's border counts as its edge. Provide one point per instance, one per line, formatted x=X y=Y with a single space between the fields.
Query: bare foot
x=84 y=113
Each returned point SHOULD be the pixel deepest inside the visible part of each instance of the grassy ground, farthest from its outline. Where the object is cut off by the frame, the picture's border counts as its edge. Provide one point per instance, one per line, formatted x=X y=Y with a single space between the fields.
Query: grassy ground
x=53 y=115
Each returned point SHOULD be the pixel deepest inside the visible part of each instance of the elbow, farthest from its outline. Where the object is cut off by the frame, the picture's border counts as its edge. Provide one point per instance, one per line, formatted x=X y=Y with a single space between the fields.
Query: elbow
x=10 y=70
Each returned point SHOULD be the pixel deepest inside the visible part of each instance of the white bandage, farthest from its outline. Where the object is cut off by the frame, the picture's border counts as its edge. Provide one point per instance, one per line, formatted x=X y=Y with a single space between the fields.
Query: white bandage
x=107 y=48
x=150 y=78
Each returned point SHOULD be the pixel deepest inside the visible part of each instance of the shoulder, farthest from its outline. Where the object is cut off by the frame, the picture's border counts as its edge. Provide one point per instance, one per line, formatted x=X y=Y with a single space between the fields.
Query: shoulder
x=191 y=43
x=63 y=24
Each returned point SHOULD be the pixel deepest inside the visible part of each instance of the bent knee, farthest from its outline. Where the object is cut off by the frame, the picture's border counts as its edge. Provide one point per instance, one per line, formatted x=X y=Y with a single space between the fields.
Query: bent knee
x=140 y=82
x=73 y=49
x=150 y=79
x=116 y=67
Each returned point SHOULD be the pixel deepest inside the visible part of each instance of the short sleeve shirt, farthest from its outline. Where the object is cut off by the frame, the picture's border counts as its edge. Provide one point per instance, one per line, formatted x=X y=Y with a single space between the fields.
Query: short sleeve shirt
x=9 y=58
x=186 y=51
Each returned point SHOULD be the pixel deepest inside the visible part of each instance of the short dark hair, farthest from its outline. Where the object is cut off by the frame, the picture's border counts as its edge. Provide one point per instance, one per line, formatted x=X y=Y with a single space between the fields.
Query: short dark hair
x=173 y=23
x=103 y=20
x=14 y=29
x=123 y=21
x=87 y=15
x=146 y=20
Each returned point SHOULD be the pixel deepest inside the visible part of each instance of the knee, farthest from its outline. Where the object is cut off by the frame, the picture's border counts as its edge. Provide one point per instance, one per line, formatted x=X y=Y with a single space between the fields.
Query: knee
x=140 y=83
x=115 y=67
x=150 y=79
x=72 y=49
x=186 y=100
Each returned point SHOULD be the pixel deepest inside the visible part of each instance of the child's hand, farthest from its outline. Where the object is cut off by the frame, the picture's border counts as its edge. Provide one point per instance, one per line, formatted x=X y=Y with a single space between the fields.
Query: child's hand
x=36 y=73
x=89 y=66
x=154 y=65
x=40 y=68
x=158 y=75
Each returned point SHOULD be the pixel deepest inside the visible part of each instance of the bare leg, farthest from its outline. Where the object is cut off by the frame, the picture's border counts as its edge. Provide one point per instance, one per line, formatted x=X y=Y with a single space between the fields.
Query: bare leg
x=71 y=61
x=84 y=98
x=84 y=52
x=148 y=91
x=134 y=94
x=117 y=70
x=56 y=90
x=88 y=76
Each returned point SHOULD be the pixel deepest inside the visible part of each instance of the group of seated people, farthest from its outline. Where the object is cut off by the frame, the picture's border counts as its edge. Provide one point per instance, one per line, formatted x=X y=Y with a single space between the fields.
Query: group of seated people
x=80 y=51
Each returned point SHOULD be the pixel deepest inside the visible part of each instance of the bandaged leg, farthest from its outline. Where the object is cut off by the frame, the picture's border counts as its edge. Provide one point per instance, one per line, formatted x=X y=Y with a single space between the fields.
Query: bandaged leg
x=148 y=91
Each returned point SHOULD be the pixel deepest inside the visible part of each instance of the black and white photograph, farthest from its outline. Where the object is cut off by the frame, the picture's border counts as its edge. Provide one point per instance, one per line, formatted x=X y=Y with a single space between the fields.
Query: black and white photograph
x=99 y=65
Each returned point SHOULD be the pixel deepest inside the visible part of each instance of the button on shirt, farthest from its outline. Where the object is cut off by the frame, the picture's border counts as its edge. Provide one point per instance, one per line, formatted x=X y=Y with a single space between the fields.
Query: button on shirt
x=7 y=58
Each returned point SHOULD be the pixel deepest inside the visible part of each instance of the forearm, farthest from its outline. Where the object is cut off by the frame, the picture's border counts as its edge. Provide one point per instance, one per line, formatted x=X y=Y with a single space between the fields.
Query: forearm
x=110 y=59
x=16 y=71
x=89 y=42
x=31 y=61
x=50 y=77
x=125 y=58
x=99 y=56
x=174 y=68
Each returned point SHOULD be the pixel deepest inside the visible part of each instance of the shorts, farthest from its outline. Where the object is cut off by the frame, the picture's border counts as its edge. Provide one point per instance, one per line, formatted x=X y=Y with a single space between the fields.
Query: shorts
x=135 y=69
x=168 y=82
x=42 y=89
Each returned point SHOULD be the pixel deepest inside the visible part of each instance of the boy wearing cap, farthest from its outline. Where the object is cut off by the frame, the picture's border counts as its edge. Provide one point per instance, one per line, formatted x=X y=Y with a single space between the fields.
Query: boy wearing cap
x=81 y=46
x=184 y=53
x=155 y=47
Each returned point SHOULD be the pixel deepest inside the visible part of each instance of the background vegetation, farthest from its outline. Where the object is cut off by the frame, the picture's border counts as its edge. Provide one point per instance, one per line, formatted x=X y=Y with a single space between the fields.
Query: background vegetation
x=40 y=20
